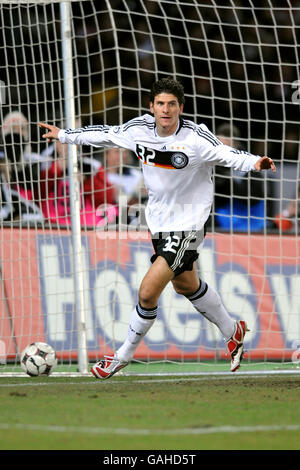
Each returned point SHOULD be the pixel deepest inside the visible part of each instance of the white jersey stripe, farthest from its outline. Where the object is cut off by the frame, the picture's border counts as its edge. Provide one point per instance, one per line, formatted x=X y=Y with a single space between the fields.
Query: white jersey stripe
x=182 y=250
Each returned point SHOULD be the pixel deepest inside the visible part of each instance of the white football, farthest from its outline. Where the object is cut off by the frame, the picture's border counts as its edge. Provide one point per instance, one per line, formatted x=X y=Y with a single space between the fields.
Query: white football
x=38 y=359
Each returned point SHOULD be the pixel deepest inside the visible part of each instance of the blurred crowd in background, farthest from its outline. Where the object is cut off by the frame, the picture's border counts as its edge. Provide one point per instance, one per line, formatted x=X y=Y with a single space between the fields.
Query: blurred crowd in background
x=240 y=70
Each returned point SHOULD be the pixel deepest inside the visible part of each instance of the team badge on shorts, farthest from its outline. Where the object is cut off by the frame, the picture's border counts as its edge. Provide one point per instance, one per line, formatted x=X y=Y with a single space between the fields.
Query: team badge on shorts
x=179 y=160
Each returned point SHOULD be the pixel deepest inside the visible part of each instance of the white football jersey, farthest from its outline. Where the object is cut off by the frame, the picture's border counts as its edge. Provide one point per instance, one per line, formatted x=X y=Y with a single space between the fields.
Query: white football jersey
x=177 y=169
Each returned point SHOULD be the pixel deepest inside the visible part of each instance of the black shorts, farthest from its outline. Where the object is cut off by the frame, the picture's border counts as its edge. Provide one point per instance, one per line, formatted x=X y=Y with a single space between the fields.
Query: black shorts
x=179 y=249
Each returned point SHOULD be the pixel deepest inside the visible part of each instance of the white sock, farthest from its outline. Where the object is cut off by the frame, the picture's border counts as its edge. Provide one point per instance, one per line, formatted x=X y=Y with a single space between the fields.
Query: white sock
x=208 y=302
x=141 y=321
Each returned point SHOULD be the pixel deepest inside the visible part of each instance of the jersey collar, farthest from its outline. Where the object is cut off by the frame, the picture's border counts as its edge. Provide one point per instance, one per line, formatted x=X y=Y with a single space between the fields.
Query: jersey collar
x=179 y=126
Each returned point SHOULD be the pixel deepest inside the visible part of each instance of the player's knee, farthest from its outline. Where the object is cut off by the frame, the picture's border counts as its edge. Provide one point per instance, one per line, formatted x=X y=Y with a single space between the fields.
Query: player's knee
x=183 y=289
x=179 y=289
x=147 y=298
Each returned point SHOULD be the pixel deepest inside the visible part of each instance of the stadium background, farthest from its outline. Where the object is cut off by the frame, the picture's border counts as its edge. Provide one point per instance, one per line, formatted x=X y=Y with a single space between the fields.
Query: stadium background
x=238 y=66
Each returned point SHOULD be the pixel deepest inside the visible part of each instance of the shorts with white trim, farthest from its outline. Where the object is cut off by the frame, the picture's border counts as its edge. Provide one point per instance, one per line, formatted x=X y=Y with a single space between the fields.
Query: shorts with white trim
x=179 y=249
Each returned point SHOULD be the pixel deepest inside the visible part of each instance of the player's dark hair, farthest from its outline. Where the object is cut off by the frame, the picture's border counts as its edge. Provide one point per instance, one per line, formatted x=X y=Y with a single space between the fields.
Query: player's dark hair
x=167 y=85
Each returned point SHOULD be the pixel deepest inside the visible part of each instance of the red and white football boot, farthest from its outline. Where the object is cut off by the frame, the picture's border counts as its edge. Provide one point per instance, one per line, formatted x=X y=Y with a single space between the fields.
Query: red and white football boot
x=107 y=367
x=235 y=344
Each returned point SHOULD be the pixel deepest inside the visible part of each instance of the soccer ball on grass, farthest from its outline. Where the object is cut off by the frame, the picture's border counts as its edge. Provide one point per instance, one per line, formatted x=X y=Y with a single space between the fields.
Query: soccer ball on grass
x=38 y=359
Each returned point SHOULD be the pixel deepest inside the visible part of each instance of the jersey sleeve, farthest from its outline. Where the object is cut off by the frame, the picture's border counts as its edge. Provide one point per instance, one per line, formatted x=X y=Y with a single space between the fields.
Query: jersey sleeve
x=212 y=151
x=98 y=136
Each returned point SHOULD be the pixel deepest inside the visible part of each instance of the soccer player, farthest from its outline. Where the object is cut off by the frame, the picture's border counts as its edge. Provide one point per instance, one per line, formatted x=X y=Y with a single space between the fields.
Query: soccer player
x=177 y=157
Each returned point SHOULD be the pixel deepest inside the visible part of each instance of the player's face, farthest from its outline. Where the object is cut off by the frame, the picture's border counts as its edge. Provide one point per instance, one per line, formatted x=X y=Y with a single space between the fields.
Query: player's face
x=166 y=111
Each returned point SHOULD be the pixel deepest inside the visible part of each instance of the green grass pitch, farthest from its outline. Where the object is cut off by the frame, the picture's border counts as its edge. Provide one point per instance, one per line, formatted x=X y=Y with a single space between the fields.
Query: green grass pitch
x=223 y=412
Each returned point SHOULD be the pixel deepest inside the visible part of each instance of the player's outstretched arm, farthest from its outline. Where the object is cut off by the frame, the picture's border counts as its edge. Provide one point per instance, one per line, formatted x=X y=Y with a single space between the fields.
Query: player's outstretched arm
x=52 y=133
x=265 y=163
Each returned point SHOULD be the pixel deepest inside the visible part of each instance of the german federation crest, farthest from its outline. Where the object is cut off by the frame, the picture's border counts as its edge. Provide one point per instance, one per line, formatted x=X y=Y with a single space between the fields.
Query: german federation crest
x=179 y=160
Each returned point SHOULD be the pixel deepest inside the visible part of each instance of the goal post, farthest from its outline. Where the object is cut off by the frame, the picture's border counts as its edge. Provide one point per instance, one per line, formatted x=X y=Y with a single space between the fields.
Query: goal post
x=73 y=242
x=69 y=108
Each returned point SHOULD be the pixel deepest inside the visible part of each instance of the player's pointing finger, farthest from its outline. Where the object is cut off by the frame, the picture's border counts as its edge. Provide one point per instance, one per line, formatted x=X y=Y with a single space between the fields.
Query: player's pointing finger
x=53 y=131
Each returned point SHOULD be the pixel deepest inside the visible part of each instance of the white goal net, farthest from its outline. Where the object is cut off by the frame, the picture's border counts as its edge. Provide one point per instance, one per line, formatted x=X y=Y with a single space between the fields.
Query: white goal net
x=88 y=62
